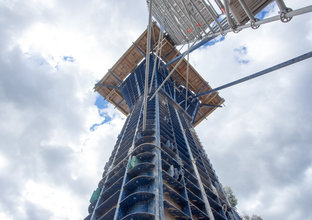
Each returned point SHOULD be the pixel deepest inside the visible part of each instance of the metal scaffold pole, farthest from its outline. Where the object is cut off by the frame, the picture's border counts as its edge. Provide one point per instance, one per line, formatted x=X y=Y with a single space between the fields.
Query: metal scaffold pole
x=187 y=75
x=211 y=35
x=172 y=71
x=148 y=49
x=160 y=37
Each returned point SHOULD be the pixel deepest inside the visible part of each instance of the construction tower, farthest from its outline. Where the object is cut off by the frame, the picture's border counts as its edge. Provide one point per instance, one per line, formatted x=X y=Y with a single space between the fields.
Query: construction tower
x=158 y=168
x=161 y=172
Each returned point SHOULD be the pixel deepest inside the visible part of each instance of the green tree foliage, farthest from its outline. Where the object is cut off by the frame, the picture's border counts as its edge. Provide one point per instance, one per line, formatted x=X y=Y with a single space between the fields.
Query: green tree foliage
x=231 y=197
x=233 y=202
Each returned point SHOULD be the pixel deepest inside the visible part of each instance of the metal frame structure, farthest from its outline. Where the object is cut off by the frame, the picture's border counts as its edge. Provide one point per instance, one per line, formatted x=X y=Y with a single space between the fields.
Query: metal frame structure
x=158 y=168
x=187 y=20
x=160 y=172
x=148 y=49
x=232 y=22
x=109 y=86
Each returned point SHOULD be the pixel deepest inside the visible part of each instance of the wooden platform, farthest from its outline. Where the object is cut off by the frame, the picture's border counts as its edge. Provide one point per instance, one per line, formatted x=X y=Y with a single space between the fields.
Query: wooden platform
x=132 y=57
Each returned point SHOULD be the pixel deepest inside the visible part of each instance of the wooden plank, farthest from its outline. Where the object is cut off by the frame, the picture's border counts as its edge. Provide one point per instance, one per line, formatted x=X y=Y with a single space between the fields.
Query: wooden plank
x=132 y=57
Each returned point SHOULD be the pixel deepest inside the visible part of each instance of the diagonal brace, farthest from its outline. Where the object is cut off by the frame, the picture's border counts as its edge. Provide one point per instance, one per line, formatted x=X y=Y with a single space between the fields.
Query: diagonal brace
x=273 y=68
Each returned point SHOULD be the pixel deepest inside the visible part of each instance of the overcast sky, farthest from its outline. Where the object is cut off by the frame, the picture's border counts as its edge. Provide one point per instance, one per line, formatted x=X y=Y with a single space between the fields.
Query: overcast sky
x=56 y=134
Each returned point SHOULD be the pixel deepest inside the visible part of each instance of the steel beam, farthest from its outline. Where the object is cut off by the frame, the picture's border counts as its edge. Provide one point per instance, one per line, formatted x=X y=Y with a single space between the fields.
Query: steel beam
x=209 y=105
x=139 y=49
x=187 y=75
x=111 y=72
x=148 y=49
x=200 y=183
x=117 y=106
x=268 y=70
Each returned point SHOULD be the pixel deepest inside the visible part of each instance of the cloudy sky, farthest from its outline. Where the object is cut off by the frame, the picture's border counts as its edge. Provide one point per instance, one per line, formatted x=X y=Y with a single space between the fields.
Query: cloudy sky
x=56 y=134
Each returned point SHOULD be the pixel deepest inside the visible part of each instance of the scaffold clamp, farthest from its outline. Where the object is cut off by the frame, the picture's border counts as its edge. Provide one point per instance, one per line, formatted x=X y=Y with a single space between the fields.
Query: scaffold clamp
x=283 y=16
x=254 y=25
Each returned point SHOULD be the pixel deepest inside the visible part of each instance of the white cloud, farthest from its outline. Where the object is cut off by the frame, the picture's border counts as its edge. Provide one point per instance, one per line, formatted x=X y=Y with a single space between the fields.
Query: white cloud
x=58 y=199
x=50 y=161
x=3 y=162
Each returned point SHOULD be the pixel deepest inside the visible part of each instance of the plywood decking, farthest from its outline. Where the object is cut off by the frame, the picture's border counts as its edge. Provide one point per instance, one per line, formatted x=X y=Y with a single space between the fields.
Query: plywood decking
x=132 y=57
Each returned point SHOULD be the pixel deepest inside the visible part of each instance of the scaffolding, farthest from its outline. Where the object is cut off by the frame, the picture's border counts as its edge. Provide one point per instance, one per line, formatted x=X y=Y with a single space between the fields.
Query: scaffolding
x=158 y=168
x=108 y=86
x=188 y=20
x=160 y=172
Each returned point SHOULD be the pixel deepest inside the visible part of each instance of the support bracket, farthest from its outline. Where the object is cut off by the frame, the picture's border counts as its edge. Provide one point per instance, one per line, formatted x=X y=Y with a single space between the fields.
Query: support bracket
x=283 y=15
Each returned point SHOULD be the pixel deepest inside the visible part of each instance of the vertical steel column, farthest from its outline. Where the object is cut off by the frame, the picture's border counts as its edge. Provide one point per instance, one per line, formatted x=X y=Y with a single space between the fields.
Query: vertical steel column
x=174 y=92
x=228 y=15
x=159 y=188
x=202 y=156
x=281 y=5
x=195 y=112
x=283 y=10
x=155 y=60
x=110 y=168
x=202 y=189
x=187 y=74
x=179 y=154
x=137 y=84
x=148 y=49
x=171 y=72
x=160 y=53
x=124 y=177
